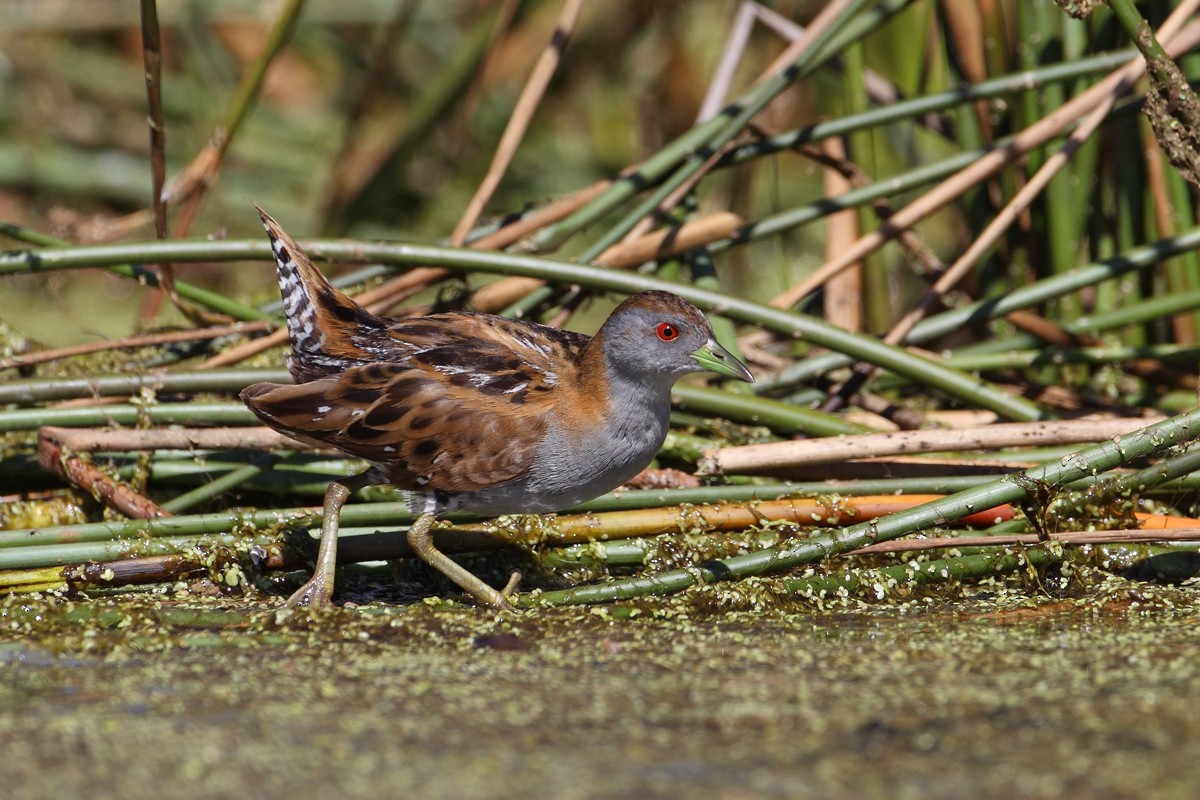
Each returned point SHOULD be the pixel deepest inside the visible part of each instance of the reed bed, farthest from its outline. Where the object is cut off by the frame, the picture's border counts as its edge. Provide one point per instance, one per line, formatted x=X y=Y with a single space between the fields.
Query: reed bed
x=964 y=272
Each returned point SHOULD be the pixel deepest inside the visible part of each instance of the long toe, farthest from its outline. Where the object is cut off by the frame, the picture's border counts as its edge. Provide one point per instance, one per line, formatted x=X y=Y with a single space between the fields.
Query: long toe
x=510 y=588
x=487 y=596
x=315 y=593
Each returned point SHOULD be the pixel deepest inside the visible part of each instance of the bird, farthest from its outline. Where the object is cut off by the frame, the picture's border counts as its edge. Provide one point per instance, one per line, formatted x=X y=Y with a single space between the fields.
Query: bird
x=474 y=412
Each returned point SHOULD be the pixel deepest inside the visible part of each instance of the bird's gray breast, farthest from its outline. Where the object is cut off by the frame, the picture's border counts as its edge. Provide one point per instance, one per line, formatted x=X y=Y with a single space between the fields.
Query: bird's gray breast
x=570 y=468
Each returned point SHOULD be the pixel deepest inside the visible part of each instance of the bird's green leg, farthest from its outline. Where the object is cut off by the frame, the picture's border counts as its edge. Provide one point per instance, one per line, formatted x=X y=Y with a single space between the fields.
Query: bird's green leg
x=318 y=591
x=421 y=542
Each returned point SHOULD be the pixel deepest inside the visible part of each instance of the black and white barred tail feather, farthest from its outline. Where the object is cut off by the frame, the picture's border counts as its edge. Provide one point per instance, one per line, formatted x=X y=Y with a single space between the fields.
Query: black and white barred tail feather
x=323 y=323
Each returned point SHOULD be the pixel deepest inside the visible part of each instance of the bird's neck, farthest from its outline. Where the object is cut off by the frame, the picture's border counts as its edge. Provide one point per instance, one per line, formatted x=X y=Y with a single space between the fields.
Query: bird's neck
x=636 y=400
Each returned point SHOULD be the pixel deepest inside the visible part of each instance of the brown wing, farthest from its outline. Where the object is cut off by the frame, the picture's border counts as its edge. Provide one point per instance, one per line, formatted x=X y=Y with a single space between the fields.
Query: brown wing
x=465 y=410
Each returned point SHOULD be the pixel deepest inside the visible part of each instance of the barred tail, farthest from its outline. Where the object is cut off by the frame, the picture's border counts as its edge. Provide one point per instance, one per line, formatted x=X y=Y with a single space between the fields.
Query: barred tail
x=321 y=320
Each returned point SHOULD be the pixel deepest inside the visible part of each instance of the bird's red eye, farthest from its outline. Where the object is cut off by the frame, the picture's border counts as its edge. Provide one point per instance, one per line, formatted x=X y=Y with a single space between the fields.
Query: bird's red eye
x=667 y=332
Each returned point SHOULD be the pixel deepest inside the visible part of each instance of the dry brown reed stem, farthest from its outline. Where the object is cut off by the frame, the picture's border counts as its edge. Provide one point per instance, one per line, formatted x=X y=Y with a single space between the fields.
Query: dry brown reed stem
x=567 y=529
x=624 y=255
x=1032 y=137
x=59 y=449
x=1183 y=326
x=666 y=242
x=843 y=292
x=152 y=64
x=676 y=197
x=56 y=455
x=965 y=33
x=826 y=17
x=109 y=574
x=1048 y=331
x=152 y=60
x=518 y=123
x=779 y=455
x=85 y=440
x=139 y=571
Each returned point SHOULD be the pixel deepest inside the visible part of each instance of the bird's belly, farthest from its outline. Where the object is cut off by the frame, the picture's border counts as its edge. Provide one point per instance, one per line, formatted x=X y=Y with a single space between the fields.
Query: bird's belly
x=572 y=470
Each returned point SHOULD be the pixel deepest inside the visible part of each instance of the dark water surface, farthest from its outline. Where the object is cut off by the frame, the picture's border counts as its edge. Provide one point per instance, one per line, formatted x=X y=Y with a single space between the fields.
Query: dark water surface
x=138 y=697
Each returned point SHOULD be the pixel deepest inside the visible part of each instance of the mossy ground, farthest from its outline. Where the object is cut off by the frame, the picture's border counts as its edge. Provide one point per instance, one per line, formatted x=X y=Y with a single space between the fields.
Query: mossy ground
x=998 y=695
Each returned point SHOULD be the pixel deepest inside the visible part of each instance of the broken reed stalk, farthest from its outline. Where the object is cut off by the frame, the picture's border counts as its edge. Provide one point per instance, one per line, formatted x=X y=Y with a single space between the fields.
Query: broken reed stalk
x=109 y=574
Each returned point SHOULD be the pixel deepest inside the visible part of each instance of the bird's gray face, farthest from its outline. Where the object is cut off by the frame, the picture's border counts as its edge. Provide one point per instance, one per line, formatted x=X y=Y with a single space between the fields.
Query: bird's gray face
x=667 y=341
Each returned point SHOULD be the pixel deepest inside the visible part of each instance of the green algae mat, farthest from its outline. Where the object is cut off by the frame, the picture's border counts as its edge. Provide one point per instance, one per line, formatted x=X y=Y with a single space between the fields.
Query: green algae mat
x=1042 y=693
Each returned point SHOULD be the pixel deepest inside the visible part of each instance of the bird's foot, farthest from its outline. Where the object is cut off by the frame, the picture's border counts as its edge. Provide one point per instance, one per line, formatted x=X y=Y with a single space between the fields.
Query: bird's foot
x=317 y=593
x=487 y=596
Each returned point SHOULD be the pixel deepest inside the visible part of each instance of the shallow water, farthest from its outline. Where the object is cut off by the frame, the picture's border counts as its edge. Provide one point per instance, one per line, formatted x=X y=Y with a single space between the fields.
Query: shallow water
x=137 y=697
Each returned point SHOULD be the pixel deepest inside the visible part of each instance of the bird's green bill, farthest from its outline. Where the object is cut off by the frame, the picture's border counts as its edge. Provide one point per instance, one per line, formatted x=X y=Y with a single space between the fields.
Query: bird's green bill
x=717 y=359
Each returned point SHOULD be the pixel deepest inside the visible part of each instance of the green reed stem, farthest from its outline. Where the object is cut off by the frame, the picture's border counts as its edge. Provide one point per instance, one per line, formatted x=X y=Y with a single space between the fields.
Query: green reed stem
x=61 y=554
x=29 y=419
x=882 y=582
x=856 y=346
x=231 y=480
x=1139 y=444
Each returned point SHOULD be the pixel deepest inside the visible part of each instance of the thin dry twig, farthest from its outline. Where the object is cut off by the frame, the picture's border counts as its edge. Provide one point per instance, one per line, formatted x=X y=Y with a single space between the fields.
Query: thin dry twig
x=518 y=123
x=131 y=342
x=152 y=62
